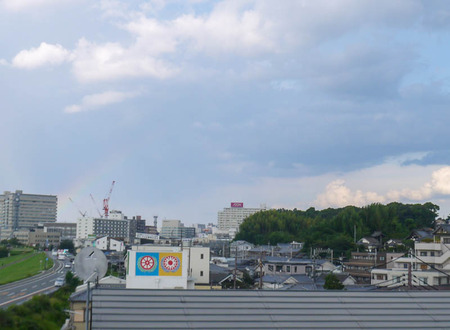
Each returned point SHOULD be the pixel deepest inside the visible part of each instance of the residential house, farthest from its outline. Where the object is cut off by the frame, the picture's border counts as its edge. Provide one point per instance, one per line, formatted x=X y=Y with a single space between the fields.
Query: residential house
x=361 y=263
x=421 y=234
x=428 y=265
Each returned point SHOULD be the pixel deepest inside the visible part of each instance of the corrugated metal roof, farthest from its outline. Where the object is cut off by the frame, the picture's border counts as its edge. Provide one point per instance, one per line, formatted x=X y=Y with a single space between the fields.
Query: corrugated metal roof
x=191 y=309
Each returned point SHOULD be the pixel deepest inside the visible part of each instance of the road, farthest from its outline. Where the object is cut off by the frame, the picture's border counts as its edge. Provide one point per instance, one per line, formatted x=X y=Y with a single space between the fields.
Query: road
x=20 y=291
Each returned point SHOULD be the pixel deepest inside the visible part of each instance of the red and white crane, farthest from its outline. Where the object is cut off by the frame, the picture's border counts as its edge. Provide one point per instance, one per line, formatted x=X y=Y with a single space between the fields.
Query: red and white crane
x=106 y=200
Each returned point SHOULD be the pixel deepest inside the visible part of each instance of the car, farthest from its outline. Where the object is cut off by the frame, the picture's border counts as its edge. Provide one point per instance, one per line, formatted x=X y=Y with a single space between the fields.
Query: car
x=59 y=281
x=68 y=265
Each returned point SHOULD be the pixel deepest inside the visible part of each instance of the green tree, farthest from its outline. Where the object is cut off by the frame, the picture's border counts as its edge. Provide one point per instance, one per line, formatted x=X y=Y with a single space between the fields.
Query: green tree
x=3 y=252
x=67 y=244
x=332 y=283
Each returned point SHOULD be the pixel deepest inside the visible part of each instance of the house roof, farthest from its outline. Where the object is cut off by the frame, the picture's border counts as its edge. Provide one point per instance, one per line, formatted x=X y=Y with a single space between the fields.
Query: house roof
x=444 y=228
x=263 y=309
x=371 y=240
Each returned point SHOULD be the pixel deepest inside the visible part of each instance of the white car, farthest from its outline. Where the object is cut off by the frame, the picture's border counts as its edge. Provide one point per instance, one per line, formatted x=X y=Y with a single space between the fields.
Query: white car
x=59 y=281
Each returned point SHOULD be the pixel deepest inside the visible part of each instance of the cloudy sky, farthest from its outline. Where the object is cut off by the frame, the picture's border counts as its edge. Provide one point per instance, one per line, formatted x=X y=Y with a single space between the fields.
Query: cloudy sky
x=191 y=105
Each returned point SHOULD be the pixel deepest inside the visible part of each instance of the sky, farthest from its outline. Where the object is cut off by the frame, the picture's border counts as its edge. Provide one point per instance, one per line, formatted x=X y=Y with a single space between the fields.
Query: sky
x=189 y=105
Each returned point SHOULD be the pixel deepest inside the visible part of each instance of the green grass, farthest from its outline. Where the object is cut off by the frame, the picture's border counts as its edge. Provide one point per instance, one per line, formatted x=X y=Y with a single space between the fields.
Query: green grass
x=19 y=251
x=8 y=260
x=25 y=268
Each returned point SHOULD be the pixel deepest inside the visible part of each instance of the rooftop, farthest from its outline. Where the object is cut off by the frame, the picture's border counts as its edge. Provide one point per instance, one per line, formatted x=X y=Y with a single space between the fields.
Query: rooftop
x=231 y=309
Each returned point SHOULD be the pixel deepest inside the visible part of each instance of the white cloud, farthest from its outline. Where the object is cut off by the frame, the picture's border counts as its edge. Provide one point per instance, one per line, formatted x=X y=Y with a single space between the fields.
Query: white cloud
x=20 y=5
x=161 y=48
x=112 y=61
x=45 y=54
x=94 y=101
x=439 y=185
x=338 y=195
x=3 y=62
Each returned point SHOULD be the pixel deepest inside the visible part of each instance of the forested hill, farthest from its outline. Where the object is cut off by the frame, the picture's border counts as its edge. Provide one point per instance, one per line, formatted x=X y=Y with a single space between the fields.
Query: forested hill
x=334 y=228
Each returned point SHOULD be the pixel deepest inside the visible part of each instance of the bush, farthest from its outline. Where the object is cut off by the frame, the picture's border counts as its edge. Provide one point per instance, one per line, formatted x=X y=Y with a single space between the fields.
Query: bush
x=332 y=283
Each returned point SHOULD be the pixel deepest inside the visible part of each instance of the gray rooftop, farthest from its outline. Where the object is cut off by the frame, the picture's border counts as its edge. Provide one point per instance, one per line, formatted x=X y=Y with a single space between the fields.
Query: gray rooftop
x=229 y=309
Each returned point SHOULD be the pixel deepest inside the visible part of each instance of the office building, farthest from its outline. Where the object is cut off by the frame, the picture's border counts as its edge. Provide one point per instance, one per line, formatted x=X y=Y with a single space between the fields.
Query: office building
x=231 y=217
x=89 y=227
x=67 y=230
x=19 y=211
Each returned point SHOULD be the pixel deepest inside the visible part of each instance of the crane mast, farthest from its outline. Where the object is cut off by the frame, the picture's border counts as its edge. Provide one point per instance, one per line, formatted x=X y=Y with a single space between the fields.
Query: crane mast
x=106 y=200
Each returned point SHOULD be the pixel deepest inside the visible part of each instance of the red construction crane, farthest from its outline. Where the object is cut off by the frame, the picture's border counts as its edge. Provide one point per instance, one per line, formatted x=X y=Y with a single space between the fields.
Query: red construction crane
x=106 y=200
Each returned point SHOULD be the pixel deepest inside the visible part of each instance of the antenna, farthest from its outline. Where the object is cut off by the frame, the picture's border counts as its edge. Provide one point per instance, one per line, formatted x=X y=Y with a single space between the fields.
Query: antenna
x=106 y=200
x=90 y=264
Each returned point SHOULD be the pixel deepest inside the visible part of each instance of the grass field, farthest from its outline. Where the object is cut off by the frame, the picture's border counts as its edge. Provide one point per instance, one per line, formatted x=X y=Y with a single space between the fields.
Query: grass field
x=22 y=266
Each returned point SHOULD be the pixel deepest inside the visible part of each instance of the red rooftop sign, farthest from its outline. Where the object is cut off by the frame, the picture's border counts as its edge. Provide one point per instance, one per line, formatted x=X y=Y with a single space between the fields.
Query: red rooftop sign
x=235 y=204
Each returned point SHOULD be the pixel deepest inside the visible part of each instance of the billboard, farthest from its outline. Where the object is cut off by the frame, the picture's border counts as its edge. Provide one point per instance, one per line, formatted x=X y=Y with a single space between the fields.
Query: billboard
x=237 y=204
x=147 y=236
x=158 y=264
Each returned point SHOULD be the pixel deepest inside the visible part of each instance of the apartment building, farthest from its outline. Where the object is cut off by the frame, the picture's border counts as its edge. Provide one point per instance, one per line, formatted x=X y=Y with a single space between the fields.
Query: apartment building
x=21 y=212
x=427 y=265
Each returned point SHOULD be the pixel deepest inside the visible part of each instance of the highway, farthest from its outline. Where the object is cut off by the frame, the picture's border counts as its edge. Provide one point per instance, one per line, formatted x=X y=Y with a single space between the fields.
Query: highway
x=20 y=291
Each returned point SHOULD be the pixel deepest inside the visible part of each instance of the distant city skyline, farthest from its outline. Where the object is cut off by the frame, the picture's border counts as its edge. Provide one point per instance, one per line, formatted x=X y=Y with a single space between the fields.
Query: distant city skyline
x=192 y=104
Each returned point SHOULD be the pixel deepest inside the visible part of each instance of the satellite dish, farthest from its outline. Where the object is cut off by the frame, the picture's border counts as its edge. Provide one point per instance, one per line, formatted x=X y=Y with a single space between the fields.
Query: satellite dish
x=91 y=264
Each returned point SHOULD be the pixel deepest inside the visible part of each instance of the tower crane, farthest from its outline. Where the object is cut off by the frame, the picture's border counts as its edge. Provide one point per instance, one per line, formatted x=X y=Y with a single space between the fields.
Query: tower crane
x=96 y=207
x=106 y=200
x=81 y=213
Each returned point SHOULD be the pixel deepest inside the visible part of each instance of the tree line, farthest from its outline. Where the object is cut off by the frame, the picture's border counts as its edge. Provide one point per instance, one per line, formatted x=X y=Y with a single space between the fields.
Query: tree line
x=336 y=228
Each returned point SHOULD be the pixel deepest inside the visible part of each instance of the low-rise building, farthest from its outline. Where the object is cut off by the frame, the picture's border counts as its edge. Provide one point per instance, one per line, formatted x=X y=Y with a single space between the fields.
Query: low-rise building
x=427 y=265
x=361 y=264
x=67 y=230
x=167 y=267
x=293 y=266
x=38 y=237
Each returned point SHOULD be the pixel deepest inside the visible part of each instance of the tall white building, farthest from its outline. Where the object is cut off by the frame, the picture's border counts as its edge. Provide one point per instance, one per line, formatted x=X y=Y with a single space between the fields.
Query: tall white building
x=19 y=211
x=231 y=217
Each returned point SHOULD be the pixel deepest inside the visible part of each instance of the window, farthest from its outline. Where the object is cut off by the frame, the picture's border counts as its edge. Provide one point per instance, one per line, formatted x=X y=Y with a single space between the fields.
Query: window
x=270 y=267
x=279 y=268
x=423 y=280
x=288 y=269
x=432 y=253
x=423 y=253
x=405 y=265
x=382 y=258
x=380 y=277
x=201 y=256
x=201 y=273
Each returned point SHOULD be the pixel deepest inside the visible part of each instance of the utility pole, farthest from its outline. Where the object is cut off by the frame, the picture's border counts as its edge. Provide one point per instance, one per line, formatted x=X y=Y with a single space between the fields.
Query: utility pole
x=260 y=271
x=314 y=267
x=409 y=277
x=235 y=268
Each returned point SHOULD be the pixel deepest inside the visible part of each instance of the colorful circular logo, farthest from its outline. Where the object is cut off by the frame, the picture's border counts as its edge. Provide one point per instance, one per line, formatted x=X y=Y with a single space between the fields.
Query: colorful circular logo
x=147 y=263
x=170 y=263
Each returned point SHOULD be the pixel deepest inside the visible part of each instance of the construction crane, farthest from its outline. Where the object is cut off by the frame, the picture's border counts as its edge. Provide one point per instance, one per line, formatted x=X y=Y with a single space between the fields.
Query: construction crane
x=106 y=200
x=82 y=214
x=96 y=207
